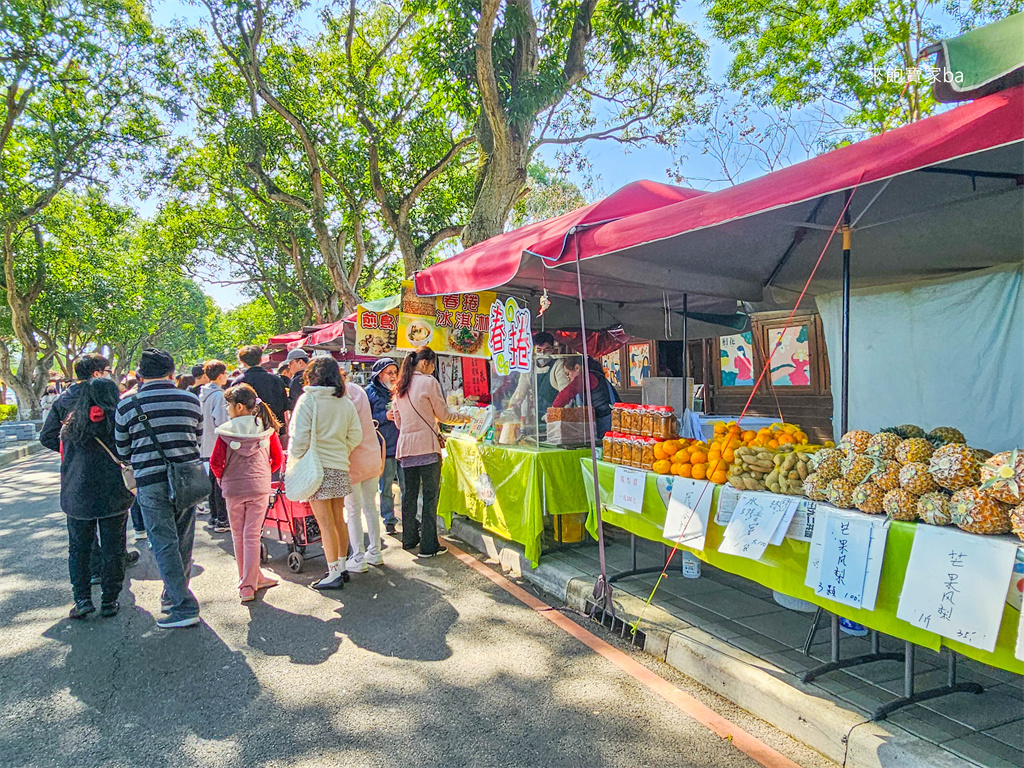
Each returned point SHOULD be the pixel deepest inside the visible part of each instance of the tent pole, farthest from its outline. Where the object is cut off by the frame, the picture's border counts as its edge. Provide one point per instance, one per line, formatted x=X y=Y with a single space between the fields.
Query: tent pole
x=844 y=413
x=686 y=350
x=602 y=589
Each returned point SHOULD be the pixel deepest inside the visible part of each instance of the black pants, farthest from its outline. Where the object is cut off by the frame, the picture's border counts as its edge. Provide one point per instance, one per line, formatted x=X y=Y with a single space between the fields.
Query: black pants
x=218 y=507
x=81 y=534
x=428 y=478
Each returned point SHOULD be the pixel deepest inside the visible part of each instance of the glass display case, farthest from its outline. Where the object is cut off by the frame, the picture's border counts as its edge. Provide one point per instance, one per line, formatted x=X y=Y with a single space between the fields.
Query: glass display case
x=521 y=400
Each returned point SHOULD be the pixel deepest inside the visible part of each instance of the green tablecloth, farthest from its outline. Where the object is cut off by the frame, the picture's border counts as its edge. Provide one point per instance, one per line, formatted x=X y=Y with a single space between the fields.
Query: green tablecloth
x=518 y=485
x=783 y=568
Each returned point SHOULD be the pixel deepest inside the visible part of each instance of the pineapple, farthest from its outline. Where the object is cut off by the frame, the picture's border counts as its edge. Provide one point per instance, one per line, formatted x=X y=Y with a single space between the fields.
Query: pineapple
x=1017 y=520
x=888 y=479
x=828 y=464
x=867 y=497
x=883 y=445
x=906 y=431
x=900 y=505
x=1002 y=477
x=954 y=467
x=858 y=468
x=978 y=512
x=934 y=508
x=982 y=455
x=855 y=441
x=840 y=493
x=916 y=479
x=941 y=436
x=816 y=488
x=914 y=449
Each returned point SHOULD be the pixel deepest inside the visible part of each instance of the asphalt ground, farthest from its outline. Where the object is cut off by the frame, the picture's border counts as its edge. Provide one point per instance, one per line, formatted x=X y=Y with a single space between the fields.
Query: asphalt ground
x=417 y=663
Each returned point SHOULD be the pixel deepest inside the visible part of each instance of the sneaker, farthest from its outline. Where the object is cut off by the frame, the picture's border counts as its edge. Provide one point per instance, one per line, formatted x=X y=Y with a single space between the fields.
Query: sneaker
x=169 y=622
x=852 y=628
x=425 y=555
x=109 y=609
x=356 y=564
x=82 y=609
x=373 y=558
x=221 y=528
x=140 y=535
x=131 y=558
x=391 y=528
x=165 y=607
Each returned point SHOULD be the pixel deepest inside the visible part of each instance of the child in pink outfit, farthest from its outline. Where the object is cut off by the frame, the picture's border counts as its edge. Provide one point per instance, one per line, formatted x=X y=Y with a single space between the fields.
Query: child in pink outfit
x=247 y=453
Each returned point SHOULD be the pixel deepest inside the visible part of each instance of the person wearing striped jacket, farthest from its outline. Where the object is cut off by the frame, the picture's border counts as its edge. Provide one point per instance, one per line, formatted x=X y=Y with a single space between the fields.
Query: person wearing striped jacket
x=176 y=419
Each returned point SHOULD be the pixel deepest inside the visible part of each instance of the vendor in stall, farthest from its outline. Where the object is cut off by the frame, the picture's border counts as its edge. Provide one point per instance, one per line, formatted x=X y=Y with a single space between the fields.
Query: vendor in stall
x=552 y=376
x=602 y=393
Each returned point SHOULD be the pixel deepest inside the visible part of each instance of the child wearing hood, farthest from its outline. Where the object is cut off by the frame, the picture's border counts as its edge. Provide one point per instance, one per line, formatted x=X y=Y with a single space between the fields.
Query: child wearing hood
x=247 y=453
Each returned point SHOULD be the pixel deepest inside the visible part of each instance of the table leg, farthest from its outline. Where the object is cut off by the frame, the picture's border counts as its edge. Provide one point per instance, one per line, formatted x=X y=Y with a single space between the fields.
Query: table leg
x=910 y=696
x=836 y=663
x=633 y=570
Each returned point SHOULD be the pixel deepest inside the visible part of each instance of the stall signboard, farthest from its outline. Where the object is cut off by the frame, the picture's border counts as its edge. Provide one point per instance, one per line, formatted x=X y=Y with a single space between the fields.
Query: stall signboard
x=455 y=324
x=511 y=337
x=377 y=328
x=474 y=378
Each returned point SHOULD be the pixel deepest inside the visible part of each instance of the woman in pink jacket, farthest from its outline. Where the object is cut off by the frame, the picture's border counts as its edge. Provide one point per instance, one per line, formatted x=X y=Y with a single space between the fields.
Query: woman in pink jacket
x=366 y=462
x=419 y=408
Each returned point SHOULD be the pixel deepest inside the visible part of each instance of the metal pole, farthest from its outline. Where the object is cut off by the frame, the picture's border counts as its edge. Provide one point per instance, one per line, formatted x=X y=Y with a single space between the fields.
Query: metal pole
x=844 y=413
x=686 y=349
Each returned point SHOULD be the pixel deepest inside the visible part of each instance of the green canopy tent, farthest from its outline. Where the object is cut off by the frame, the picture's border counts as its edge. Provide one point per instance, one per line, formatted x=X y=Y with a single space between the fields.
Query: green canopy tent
x=979 y=62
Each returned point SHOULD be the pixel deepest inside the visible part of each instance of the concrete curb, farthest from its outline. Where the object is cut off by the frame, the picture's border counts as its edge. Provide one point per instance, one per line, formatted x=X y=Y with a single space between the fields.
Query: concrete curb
x=807 y=714
x=19 y=452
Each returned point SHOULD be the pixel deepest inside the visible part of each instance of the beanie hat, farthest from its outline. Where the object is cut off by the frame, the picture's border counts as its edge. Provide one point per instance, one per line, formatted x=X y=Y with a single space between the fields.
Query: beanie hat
x=155 y=364
x=381 y=365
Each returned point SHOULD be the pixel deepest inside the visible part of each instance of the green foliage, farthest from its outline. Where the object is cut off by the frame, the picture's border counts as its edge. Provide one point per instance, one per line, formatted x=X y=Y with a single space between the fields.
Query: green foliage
x=8 y=412
x=791 y=54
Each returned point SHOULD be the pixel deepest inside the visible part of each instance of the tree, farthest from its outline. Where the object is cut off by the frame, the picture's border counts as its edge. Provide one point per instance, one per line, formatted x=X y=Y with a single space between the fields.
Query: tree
x=82 y=83
x=556 y=72
x=793 y=54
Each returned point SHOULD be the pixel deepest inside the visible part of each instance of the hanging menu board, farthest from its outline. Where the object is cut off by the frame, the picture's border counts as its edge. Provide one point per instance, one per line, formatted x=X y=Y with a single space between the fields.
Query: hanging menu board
x=455 y=324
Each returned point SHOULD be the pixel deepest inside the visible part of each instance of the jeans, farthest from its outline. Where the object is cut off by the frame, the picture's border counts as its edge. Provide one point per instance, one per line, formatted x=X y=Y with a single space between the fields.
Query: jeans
x=392 y=469
x=137 y=523
x=429 y=478
x=171 y=534
x=81 y=536
x=218 y=507
x=359 y=509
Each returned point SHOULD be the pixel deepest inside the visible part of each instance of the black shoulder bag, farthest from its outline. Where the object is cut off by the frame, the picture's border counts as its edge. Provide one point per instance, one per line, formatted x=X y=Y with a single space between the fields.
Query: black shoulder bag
x=187 y=481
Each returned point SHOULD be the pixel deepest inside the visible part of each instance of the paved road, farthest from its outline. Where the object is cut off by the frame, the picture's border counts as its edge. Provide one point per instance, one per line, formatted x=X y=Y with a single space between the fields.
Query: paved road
x=411 y=665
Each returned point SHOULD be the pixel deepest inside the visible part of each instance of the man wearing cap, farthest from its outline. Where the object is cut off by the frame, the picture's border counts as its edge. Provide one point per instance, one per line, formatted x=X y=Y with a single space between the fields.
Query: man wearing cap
x=297 y=361
x=379 y=392
x=176 y=421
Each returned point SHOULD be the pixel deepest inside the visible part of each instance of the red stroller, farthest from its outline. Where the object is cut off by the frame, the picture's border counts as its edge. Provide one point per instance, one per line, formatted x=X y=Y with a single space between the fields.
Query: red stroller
x=292 y=522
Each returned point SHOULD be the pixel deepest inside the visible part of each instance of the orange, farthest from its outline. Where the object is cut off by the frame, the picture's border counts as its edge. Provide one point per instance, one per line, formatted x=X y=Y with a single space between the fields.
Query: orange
x=684 y=470
x=714 y=455
x=719 y=477
x=720 y=427
x=659 y=452
x=698 y=472
x=773 y=444
x=748 y=436
x=662 y=467
x=800 y=437
x=728 y=456
x=698 y=457
x=735 y=443
x=670 y=447
x=716 y=465
x=735 y=429
x=785 y=439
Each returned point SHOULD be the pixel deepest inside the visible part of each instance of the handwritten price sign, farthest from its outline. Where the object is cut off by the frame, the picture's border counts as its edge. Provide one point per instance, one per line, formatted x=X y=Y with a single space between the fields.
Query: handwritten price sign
x=753 y=524
x=628 y=491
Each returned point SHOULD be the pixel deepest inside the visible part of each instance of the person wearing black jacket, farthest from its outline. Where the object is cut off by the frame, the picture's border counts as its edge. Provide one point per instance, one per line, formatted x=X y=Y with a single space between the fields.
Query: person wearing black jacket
x=379 y=392
x=93 y=496
x=269 y=387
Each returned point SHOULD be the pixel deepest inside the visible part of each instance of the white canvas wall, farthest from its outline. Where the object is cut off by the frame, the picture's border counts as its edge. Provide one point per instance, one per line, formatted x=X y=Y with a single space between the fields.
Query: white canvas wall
x=935 y=353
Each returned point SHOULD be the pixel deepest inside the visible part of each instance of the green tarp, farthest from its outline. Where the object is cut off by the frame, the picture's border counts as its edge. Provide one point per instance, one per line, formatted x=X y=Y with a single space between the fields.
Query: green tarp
x=783 y=568
x=508 y=489
x=980 y=62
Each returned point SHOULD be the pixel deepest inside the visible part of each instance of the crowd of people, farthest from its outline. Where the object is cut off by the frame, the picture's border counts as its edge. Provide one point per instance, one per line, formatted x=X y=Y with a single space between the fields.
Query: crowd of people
x=157 y=447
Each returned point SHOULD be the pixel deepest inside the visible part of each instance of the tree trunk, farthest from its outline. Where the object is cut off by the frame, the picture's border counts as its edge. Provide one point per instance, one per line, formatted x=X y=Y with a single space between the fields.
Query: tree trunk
x=503 y=176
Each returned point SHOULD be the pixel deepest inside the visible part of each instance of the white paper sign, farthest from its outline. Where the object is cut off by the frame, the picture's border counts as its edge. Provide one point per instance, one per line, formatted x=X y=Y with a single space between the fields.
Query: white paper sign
x=728 y=498
x=689 y=508
x=956 y=584
x=876 y=550
x=753 y=524
x=628 y=491
x=801 y=527
x=844 y=560
x=780 y=533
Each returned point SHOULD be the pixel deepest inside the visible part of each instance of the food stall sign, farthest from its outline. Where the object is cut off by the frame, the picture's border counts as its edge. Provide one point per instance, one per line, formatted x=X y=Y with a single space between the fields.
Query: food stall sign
x=511 y=337
x=376 y=331
x=455 y=324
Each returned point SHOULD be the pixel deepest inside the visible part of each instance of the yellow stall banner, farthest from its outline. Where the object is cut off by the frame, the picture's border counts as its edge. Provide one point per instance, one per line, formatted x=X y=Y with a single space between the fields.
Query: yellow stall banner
x=377 y=327
x=455 y=324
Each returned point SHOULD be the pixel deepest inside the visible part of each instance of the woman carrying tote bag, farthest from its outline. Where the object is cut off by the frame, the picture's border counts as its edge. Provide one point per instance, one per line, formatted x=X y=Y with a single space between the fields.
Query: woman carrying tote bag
x=94 y=497
x=325 y=425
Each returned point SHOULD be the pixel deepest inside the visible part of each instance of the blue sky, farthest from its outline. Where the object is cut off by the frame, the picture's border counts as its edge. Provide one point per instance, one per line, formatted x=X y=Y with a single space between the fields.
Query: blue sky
x=613 y=164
